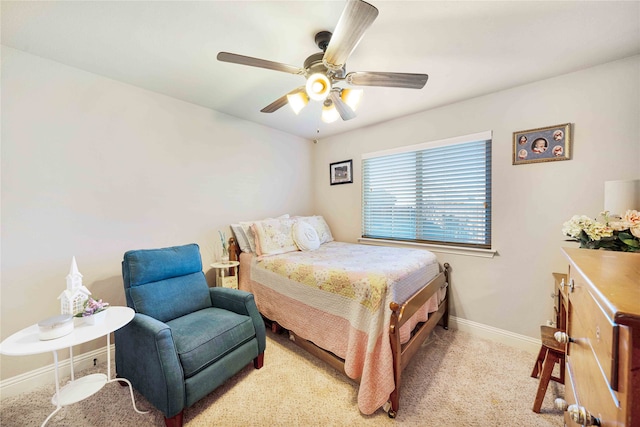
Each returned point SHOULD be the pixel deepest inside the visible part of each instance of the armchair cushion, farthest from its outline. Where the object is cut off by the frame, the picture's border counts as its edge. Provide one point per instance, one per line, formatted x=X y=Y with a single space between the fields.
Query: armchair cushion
x=168 y=299
x=165 y=283
x=205 y=336
x=152 y=265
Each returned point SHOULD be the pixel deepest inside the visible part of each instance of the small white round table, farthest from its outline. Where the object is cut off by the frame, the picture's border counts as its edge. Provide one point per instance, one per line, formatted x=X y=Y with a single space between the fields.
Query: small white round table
x=27 y=342
x=221 y=278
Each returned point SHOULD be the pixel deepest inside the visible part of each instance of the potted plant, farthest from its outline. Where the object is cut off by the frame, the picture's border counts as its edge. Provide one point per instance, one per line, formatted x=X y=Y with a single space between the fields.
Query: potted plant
x=94 y=312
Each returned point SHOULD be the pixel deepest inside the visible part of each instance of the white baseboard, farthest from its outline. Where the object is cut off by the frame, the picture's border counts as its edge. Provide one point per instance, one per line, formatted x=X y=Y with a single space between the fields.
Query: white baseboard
x=31 y=380
x=480 y=330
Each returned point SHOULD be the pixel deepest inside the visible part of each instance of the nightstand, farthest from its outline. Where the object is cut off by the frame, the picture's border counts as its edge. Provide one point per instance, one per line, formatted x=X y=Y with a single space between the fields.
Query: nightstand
x=224 y=277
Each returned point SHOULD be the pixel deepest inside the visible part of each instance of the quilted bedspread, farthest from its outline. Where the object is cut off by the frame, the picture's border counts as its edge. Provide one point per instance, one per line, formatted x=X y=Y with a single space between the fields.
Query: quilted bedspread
x=338 y=297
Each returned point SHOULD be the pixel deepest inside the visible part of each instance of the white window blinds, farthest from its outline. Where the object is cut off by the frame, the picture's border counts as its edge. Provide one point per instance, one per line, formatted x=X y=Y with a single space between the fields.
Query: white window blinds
x=438 y=192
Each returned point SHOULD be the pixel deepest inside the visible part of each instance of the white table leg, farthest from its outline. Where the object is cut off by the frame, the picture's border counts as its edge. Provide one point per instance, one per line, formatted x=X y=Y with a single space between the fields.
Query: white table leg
x=109 y=380
x=71 y=362
x=51 y=415
x=57 y=378
x=133 y=401
x=108 y=357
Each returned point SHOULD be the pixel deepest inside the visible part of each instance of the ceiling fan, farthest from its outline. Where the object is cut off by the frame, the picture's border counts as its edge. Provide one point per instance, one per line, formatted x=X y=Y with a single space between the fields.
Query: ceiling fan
x=324 y=70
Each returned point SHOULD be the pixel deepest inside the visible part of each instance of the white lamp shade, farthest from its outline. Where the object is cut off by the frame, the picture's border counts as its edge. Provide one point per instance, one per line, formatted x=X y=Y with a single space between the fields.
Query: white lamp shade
x=329 y=113
x=297 y=101
x=318 y=87
x=352 y=97
x=620 y=196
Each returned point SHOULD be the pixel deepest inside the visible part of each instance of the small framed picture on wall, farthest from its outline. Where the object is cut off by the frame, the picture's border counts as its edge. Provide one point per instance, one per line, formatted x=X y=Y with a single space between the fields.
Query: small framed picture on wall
x=341 y=172
x=542 y=144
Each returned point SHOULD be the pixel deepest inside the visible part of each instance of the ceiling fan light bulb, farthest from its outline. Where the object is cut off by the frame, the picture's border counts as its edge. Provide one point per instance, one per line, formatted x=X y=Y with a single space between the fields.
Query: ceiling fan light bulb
x=318 y=87
x=297 y=101
x=329 y=113
x=352 y=97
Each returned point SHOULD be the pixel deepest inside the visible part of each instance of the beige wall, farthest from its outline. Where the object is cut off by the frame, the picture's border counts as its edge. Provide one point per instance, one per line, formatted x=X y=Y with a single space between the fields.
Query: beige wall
x=92 y=167
x=530 y=202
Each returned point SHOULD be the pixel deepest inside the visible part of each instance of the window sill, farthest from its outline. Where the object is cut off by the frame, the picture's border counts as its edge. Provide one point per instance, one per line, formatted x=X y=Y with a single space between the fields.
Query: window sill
x=456 y=250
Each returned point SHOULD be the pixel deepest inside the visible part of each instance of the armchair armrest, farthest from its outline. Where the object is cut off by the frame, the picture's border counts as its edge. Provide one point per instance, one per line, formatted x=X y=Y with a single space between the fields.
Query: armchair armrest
x=240 y=302
x=146 y=356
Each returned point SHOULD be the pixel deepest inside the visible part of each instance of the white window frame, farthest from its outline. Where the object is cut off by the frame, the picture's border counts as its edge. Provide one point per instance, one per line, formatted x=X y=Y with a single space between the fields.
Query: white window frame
x=436 y=246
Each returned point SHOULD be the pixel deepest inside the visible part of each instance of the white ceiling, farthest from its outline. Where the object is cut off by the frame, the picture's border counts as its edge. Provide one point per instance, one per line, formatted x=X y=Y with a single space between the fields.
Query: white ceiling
x=467 y=48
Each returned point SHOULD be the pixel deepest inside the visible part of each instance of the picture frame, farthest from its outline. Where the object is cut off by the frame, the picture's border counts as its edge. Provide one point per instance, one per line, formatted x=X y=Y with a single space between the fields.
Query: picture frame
x=545 y=144
x=341 y=172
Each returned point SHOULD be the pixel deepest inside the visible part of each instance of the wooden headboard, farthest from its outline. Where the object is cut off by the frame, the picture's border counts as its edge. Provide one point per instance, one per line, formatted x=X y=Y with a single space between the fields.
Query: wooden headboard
x=234 y=253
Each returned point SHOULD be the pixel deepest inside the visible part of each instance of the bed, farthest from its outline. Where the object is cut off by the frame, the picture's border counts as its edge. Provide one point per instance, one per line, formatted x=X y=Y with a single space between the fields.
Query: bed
x=364 y=309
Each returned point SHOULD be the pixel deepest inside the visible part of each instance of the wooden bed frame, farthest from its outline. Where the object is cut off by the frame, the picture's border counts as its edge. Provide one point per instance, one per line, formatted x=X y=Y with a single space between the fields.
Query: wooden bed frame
x=400 y=313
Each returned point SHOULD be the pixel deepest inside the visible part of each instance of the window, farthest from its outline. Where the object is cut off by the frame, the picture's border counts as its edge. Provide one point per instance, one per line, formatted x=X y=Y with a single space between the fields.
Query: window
x=438 y=192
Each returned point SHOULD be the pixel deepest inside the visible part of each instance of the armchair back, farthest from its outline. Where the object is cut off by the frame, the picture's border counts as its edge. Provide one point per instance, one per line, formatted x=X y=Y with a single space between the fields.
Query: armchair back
x=165 y=283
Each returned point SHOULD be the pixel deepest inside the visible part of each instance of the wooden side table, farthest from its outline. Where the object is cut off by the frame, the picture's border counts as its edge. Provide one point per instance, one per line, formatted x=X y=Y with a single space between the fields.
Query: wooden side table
x=224 y=277
x=27 y=342
x=551 y=351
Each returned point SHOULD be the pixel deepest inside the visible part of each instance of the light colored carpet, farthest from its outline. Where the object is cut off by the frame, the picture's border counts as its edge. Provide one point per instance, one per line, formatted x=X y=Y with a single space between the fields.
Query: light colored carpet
x=454 y=380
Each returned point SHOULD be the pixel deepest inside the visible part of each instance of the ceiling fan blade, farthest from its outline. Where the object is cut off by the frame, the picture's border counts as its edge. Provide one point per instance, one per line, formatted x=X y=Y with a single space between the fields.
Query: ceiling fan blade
x=343 y=109
x=405 y=80
x=275 y=105
x=257 y=62
x=356 y=17
x=280 y=102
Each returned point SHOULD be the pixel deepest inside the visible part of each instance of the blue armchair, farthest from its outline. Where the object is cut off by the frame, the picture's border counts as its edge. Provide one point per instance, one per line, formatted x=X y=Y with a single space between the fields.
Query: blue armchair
x=186 y=339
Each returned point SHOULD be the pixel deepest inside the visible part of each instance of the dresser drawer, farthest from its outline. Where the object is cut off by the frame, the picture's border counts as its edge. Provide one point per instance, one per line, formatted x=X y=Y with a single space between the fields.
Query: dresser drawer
x=589 y=388
x=591 y=327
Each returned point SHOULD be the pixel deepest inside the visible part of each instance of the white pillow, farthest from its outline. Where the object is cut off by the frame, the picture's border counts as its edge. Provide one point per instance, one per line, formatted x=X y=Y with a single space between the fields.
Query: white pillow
x=273 y=236
x=251 y=238
x=241 y=237
x=305 y=236
x=321 y=227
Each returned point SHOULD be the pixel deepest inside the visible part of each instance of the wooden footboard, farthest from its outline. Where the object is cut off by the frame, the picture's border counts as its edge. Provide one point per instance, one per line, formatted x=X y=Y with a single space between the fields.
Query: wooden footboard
x=402 y=353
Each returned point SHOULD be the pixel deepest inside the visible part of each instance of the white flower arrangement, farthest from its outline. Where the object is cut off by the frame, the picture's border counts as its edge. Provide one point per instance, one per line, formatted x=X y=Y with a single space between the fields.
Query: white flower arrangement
x=611 y=234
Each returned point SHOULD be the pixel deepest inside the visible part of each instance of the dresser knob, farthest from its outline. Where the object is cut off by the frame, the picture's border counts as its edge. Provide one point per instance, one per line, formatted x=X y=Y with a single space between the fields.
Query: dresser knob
x=562 y=284
x=572 y=285
x=562 y=337
x=561 y=404
x=577 y=413
x=581 y=416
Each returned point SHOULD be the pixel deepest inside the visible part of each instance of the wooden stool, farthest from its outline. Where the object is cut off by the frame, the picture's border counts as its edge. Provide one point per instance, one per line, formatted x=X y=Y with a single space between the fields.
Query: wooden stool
x=551 y=352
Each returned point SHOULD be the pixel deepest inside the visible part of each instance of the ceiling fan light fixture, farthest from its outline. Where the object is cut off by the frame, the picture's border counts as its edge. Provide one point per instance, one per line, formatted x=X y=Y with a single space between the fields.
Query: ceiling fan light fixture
x=329 y=112
x=352 y=97
x=318 y=87
x=323 y=69
x=297 y=101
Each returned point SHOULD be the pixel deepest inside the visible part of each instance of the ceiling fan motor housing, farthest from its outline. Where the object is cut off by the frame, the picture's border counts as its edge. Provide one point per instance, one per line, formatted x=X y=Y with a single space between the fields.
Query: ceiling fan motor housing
x=314 y=64
x=322 y=39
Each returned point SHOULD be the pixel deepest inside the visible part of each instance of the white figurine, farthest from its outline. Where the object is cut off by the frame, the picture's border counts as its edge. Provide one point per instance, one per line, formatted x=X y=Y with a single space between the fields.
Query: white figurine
x=73 y=298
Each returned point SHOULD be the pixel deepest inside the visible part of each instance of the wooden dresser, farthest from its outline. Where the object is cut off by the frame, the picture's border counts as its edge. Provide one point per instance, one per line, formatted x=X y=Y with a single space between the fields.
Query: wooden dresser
x=602 y=296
